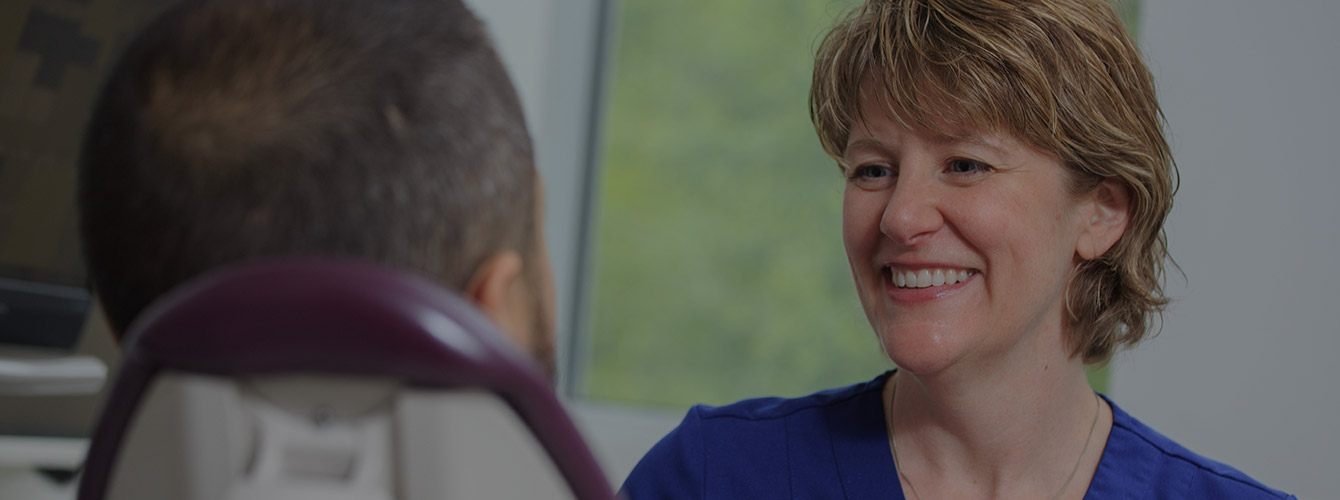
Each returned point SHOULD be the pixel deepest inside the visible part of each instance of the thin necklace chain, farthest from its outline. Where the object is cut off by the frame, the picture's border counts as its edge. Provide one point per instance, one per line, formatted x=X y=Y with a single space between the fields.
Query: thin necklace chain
x=893 y=449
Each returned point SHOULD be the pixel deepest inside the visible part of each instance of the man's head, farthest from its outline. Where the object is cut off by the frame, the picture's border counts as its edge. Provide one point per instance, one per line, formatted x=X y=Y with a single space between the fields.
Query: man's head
x=386 y=130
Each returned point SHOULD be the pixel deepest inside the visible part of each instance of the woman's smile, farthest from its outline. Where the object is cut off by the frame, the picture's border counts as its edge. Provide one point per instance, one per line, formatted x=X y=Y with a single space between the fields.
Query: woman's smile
x=916 y=284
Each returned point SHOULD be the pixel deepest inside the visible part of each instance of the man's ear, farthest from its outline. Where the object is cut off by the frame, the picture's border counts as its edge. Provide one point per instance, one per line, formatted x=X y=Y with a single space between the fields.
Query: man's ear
x=1108 y=214
x=492 y=287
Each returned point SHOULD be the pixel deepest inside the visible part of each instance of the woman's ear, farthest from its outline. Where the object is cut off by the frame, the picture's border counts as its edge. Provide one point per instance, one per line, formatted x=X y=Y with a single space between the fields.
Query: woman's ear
x=491 y=288
x=1108 y=212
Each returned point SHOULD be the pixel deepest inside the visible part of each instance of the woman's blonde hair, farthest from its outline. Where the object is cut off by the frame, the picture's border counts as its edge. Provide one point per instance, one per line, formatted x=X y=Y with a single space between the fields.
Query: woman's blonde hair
x=1062 y=75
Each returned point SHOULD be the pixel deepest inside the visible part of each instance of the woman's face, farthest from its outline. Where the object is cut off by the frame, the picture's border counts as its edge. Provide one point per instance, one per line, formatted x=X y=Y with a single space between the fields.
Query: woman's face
x=960 y=247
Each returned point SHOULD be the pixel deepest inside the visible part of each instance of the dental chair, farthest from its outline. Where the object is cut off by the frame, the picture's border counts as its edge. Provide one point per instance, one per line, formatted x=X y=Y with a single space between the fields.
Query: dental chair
x=331 y=380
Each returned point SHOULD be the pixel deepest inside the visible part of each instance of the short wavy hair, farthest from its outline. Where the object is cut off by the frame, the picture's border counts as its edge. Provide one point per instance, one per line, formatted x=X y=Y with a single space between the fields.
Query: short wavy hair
x=1061 y=75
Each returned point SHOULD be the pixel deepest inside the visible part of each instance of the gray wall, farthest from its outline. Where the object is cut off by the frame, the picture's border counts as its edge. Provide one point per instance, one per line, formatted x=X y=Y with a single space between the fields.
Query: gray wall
x=1246 y=369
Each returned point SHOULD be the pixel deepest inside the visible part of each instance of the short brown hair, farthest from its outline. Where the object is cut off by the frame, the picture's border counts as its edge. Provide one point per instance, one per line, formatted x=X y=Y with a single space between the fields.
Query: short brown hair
x=232 y=130
x=1062 y=75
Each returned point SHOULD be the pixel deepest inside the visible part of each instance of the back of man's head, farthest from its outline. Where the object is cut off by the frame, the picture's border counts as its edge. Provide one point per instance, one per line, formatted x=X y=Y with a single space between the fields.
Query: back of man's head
x=230 y=130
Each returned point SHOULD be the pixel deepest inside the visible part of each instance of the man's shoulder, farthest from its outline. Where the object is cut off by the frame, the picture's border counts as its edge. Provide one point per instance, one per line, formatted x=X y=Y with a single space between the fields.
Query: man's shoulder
x=1179 y=468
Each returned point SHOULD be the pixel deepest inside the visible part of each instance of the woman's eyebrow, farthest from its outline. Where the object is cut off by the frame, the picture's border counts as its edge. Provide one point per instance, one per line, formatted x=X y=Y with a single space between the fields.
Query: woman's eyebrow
x=994 y=144
x=866 y=144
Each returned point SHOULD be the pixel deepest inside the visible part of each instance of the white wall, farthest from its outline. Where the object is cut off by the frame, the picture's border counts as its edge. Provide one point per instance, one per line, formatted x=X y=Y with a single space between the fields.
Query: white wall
x=1247 y=369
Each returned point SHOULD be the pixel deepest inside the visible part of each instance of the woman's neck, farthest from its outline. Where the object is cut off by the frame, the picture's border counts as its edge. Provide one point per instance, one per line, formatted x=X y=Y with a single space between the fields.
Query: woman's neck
x=1005 y=429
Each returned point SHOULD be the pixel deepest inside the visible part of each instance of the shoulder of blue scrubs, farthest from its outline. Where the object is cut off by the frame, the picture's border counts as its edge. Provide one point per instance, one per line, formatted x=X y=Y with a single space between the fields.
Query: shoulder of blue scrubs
x=674 y=466
x=741 y=450
x=1145 y=464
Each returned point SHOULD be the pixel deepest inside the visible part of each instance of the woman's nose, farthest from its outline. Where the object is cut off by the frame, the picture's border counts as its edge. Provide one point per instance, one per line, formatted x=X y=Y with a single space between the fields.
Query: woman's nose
x=913 y=211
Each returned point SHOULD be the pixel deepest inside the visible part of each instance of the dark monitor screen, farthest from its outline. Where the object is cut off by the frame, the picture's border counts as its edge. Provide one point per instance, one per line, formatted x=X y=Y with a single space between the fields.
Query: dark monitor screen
x=41 y=315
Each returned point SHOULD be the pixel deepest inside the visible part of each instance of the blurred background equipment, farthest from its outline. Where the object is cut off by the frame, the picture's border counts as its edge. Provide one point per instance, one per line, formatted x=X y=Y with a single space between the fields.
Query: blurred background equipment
x=53 y=358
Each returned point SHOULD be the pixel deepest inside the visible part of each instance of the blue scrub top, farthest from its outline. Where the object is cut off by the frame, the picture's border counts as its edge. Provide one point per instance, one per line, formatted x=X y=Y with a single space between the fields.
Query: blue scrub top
x=833 y=444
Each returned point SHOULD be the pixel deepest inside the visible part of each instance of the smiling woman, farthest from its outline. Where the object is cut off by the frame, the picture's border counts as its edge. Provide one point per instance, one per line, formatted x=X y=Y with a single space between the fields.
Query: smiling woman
x=983 y=207
x=1007 y=179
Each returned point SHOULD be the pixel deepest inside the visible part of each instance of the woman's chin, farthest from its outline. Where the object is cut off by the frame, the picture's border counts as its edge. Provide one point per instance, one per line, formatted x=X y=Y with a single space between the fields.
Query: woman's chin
x=922 y=354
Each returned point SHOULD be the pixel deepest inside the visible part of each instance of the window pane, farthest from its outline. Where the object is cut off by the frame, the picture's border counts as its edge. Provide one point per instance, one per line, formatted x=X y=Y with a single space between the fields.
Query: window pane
x=719 y=270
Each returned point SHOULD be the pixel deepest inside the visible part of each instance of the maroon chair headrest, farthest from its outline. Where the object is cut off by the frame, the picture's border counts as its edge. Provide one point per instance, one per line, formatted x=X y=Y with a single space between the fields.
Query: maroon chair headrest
x=335 y=317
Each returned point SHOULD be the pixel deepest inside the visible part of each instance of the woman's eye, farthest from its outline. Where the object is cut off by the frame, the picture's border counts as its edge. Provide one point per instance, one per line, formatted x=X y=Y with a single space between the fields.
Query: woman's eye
x=963 y=166
x=872 y=176
x=872 y=171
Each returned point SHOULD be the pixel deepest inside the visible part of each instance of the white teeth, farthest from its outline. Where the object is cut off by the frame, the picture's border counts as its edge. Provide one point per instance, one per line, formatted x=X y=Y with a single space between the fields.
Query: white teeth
x=924 y=278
